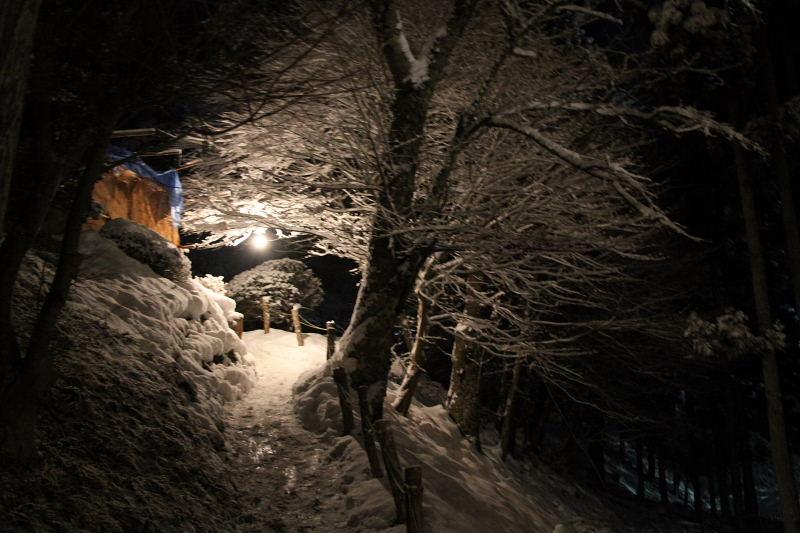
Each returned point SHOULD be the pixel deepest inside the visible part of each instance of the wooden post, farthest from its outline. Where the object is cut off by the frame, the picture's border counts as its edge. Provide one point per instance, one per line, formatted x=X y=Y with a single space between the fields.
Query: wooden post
x=367 y=433
x=265 y=312
x=298 y=329
x=383 y=429
x=330 y=331
x=239 y=327
x=340 y=378
x=413 y=490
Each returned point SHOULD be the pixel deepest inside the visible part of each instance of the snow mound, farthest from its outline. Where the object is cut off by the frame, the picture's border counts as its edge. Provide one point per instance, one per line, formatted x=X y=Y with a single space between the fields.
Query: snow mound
x=464 y=490
x=128 y=438
x=149 y=247
x=179 y=323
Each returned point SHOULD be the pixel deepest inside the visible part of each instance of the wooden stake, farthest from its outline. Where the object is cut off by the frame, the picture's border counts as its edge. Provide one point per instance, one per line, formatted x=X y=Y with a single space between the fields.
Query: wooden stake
x=298 y=329
x=265 y=312
x=383 y=429
x=239 y=327
x=413 y=490
x=330 y=331
x=340 y=378
x=367 y=433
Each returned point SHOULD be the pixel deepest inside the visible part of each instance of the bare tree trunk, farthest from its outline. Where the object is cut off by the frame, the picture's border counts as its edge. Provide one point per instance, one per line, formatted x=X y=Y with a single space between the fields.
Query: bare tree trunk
x=662 y=479
x=394 y=262
x=539 y=415
x=17 y=28
x=508 y=432
x=463 y=396
x=368 y=434
x=724 y=491
x=712 y=492
x=676 y=479
x=343 y=388
x=31 y=376
x=732 y=449
x=639 y=470
x=698 y=494
x=368 y=338
x=651 y=461
x=415 y=370
x=596 y=448
x=748 y=481
x=781 y=456
x=782 y=170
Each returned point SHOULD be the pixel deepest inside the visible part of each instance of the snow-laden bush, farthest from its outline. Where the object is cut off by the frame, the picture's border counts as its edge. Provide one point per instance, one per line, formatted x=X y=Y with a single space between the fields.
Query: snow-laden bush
x=285 y=281
x=213 y=283
x=148 y=247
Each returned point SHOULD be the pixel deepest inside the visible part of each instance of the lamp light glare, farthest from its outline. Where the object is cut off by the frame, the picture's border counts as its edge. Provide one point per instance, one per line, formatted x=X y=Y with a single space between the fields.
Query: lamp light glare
x=259 y=241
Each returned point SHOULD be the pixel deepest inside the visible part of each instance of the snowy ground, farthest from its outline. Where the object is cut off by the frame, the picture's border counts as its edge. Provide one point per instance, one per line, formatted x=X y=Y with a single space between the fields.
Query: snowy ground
x=295 y=471
x=280 y=467
x=129 y=435
x=309 y=478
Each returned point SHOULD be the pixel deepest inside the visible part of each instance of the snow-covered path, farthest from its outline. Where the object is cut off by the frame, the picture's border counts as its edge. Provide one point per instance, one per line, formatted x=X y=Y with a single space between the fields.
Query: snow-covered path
x=279 y=466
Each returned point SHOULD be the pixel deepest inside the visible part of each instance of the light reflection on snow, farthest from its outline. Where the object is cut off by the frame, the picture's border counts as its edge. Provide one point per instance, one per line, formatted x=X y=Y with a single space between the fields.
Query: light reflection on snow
x=291 y=479
x=259 y=451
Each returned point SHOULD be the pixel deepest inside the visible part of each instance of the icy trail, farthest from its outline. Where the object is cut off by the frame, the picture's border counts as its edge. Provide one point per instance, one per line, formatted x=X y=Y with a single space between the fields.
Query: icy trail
x=278 y=465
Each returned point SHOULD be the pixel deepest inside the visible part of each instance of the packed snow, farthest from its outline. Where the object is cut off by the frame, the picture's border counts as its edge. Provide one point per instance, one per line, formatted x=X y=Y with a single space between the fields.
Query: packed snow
x=279 y=466
x=130 y=435
x=182 y=322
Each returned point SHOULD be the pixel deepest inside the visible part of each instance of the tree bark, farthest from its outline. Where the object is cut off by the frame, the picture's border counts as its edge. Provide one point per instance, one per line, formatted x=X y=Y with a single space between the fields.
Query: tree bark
x=748 y=481
x=508 y=432
x=662 y=479
x=463 y=395
x=732 y=449
x=698 y=495
x=539 y=415
x=368 y=435
x=639 y=470
x=394 y=262
x=781 y=456
x=30 y=376
x=651 y=461
x=368 y=338
x=417 y=367
x=782 y=170
x=343 y=388
x=17 y=28
x=724 y=490
x=712 y=492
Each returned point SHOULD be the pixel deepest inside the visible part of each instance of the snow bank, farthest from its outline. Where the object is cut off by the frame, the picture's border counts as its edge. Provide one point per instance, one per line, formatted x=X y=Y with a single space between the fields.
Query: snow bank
x=464 y=490
x=183 y=323
x=130 y=435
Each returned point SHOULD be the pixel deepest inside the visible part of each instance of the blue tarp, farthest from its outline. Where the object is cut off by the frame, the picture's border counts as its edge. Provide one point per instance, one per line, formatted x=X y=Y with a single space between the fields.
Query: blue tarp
x=168 y=179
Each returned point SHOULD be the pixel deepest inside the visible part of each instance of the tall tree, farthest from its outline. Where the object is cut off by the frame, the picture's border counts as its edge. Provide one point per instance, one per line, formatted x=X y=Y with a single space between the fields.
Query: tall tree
x=18 y=20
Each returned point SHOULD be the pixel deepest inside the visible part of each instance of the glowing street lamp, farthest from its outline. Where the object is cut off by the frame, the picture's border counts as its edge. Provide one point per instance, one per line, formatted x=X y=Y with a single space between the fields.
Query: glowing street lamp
x=259 y=240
